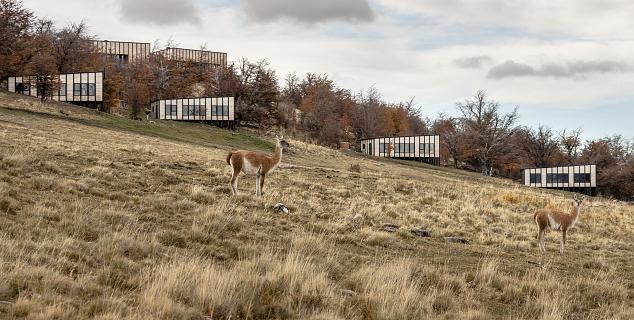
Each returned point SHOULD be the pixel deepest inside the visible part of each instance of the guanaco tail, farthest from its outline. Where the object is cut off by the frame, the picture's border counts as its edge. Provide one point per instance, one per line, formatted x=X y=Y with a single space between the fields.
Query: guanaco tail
x=255 y=164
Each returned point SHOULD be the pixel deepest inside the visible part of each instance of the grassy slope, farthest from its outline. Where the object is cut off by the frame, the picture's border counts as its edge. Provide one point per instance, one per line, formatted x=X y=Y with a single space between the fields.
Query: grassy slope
x=112 y=218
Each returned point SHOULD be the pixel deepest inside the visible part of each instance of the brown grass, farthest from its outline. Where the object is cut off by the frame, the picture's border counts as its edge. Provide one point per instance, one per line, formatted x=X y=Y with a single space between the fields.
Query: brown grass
x=106 y=218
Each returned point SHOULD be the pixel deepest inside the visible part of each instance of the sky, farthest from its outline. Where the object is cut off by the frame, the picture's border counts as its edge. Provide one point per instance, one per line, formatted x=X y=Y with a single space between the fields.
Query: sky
x=567 y=64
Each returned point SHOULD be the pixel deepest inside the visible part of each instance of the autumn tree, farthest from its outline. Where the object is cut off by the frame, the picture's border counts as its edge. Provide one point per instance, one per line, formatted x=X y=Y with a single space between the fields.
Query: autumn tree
x=452 y=144
x=368 y=118
x=325 y=110
x=73 y=49
x=487 y=129
x=138 y=93
x=257 y=94
x=570 y=142
x=540 y=146
x=16 y=24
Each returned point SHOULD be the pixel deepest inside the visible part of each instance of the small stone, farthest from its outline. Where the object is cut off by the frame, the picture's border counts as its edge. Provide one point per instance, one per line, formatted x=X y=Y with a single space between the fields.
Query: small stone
x=389 y=227
x=457 y=240
x=420 y=232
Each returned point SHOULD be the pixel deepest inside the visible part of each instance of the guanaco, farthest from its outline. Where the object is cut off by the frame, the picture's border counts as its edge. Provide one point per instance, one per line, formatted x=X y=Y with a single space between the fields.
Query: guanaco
x=558 y=221
x=255 y=164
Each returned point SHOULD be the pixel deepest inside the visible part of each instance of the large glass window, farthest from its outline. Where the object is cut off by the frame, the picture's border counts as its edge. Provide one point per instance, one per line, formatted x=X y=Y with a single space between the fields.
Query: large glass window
x=220 y=110
x=428 y=148
x=383 y=147
x=193 y=109
x=84 y=89
x=536 y=178
x=62 y=89
x=557 y=178
x=582 y=178
x=170 y=110
x=404 y=147
x=201 y=110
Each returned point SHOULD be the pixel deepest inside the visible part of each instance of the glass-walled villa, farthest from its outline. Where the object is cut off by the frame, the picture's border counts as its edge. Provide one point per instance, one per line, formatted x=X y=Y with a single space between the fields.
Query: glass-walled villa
x=194 y=109
x=581 y=178
x=85 y=88
x=417 y=148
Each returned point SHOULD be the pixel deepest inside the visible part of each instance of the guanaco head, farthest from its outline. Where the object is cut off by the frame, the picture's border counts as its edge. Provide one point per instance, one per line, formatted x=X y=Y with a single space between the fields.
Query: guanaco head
x=576 y=201
x=282 y=142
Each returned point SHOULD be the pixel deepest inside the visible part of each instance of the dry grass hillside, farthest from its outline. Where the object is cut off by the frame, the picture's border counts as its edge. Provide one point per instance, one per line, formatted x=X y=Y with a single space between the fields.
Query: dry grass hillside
x=108 y=218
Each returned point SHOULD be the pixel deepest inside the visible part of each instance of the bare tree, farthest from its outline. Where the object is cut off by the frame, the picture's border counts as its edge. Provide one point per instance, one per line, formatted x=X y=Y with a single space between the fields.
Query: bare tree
x=416 y=124
x=487 y=129
x=539 y=146
x=452 y=137
x=73 y=48
x=570 y=142
x=367 y=117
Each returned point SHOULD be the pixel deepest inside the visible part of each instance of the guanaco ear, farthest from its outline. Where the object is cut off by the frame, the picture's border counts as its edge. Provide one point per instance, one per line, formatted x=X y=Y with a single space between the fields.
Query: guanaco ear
x=277 y=137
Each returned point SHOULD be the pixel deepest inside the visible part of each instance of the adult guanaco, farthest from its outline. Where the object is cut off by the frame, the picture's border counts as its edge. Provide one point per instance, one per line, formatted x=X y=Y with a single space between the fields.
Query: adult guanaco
x=558 y=221
x=255 y=164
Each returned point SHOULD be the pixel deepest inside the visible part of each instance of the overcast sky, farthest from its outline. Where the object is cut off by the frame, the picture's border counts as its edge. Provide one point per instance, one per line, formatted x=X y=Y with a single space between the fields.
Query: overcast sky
x=566 y=63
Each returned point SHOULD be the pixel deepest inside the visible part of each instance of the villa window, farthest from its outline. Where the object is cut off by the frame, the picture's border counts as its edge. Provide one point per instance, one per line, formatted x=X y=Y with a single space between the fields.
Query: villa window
x=428 y=148
x=536 y=178
x=582 y=178
x=556 y=178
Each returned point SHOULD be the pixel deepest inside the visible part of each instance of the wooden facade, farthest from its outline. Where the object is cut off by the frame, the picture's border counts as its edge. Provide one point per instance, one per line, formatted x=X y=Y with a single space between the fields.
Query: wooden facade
x=220 y=109
x=204 y=57
x=581 y=178
x=417 y=148
x=123 y=52
x=84 y=88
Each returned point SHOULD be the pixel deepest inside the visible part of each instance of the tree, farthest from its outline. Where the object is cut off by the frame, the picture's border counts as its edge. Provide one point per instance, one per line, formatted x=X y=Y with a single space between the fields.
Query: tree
x=414 y=119
x=570 y=143
x=487 y=129
x=257 y=94
x=138 y=92
x=367 y=118
x=540 y=146
x=451 y=138
x=16 y=25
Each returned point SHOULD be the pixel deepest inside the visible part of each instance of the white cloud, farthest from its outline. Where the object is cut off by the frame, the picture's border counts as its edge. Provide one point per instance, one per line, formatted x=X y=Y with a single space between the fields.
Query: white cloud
x=309 y=10
x=160 y=12
x=611 y=19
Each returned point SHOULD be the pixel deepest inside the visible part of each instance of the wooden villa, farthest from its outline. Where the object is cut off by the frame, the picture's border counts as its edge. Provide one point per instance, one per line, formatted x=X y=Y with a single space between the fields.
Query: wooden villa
x=85 y=88
x=123 y=52
x=220 y=110
x=207 y=59
x=417 y=148
x=581 y=178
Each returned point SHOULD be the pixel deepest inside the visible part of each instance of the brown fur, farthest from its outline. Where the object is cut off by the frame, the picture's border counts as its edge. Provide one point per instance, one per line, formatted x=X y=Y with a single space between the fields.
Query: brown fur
x=254 y=163
x=556 y=220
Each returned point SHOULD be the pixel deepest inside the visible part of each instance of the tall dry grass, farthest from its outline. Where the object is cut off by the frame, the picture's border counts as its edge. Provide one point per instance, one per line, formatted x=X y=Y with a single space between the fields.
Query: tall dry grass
x=136 y=223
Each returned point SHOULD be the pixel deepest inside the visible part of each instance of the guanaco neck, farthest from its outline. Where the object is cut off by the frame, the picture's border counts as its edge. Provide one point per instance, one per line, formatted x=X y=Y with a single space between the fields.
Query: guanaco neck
x=277 y=154
x=575 y=214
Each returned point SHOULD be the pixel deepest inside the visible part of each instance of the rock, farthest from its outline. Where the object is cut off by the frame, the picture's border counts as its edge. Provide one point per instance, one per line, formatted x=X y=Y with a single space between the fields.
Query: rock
x=420 y=232
x=457 y=240
x=281 y=207
x=389 y=227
